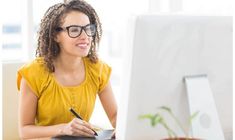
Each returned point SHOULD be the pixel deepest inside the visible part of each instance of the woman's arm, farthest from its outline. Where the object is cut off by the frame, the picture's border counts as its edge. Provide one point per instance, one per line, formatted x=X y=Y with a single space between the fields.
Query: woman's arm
x=27 y=112
x=109 y=103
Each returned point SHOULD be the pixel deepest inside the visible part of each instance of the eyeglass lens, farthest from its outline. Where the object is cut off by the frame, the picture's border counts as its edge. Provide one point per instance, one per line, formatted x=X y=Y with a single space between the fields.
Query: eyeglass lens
x=75 y=31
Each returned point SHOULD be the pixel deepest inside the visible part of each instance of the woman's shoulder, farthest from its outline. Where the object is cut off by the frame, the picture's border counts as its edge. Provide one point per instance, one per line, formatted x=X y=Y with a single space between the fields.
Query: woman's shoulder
x=35 y=73
x=100 y=71
x=38 y=61
x=96 y=66
x=34 y=67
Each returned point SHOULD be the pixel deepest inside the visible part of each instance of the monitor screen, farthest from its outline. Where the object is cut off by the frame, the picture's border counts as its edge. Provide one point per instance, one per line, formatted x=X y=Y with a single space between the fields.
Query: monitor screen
x=165 y=49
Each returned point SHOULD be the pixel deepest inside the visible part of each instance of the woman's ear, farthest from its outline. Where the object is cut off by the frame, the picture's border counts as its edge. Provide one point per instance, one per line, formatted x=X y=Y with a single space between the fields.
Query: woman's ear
x=56 y=38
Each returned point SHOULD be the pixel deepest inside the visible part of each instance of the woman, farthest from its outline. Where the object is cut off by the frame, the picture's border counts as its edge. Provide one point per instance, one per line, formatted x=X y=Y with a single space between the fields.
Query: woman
x=65 y=74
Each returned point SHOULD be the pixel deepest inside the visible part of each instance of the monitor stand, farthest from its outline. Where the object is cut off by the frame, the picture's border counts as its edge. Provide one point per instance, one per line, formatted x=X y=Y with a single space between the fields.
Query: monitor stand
x=206 y=124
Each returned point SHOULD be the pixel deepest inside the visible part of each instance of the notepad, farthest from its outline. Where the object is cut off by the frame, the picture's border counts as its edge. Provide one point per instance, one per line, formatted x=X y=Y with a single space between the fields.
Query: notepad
x=102 y=135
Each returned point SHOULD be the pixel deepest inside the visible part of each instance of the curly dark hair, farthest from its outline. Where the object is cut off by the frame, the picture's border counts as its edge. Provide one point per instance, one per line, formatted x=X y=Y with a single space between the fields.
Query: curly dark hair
x=47 y=47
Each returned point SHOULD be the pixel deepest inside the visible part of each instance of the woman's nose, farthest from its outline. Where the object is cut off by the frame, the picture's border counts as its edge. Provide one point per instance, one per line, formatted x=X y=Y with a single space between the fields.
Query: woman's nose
x=83 y=34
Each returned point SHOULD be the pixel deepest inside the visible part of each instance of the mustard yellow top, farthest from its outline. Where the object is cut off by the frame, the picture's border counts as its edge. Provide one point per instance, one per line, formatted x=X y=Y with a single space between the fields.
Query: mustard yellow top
x=54 y=100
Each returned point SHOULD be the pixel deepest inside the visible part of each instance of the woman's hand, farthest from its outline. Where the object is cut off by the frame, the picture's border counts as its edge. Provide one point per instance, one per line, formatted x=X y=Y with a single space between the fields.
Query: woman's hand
x=78 y=127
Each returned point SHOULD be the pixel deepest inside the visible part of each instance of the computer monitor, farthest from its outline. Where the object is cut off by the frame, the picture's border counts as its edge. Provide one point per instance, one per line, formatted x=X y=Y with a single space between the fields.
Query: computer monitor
x=163 y=50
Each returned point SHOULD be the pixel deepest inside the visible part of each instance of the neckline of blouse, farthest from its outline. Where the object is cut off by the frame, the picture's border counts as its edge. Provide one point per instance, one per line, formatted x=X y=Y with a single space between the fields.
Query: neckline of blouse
x=76 y=86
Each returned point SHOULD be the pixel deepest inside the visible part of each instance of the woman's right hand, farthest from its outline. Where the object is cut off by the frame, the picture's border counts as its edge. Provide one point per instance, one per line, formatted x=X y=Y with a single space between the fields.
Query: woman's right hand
x=78 y=127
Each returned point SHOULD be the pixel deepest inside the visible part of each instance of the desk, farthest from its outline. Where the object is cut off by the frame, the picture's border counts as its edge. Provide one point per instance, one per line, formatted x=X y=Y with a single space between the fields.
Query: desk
x=102 y=135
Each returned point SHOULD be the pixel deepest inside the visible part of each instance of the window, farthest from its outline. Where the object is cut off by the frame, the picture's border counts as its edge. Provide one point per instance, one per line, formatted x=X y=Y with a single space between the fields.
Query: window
x=200 y=7
x=209 y=7
x=11 y=31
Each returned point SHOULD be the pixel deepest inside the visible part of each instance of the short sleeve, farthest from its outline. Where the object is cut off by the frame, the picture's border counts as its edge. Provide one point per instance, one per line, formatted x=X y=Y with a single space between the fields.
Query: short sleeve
x=34 y=73
x=104 y=76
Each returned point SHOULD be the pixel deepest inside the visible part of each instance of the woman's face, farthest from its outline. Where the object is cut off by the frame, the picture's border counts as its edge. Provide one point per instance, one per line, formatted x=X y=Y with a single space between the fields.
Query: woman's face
x=78 y=46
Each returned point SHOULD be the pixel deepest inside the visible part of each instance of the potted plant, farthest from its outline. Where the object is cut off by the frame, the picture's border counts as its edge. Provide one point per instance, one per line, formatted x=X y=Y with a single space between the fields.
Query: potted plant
x=158 y=119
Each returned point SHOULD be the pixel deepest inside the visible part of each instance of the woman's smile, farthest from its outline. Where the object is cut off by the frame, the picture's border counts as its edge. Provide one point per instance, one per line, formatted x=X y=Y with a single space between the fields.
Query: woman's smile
x=83 y=46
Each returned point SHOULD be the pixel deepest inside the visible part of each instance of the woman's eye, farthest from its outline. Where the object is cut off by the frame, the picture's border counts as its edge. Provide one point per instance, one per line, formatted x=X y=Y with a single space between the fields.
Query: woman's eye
x=74 y=30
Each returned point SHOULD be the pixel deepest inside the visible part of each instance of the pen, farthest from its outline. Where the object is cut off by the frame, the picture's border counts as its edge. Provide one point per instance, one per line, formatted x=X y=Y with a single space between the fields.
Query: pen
x=76 y=114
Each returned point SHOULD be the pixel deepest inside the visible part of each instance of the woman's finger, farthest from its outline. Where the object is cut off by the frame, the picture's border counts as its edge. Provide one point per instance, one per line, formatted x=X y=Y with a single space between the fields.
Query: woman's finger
x=81 y=125
x=79 y=132
x=84 y=131
x=82 y=122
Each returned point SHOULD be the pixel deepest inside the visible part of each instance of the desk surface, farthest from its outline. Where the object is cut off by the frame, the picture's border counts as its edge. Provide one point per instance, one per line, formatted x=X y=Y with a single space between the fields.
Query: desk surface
x=102 y=135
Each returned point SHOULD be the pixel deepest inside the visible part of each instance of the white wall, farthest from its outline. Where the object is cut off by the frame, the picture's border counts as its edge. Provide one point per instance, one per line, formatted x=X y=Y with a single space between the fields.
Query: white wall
x=10 y=101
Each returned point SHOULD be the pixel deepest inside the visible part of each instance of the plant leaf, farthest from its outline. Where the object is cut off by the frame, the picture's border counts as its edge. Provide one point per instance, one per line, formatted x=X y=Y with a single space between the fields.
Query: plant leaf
x=165 y=108
x=146 y=116
x=193 y=116
x=156 y=119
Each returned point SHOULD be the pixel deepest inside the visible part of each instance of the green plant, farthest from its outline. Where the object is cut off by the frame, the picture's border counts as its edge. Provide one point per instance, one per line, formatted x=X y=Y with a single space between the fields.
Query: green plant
x=158 y=119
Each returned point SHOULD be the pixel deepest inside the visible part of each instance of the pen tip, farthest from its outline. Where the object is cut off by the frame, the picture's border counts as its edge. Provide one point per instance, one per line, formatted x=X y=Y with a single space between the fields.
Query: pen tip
x=95 y=133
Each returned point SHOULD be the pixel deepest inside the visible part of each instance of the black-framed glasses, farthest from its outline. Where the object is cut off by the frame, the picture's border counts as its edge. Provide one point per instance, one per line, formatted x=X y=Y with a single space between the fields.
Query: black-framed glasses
x=76 y=30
